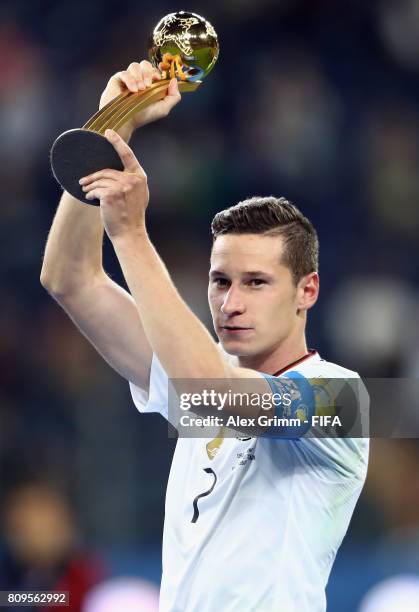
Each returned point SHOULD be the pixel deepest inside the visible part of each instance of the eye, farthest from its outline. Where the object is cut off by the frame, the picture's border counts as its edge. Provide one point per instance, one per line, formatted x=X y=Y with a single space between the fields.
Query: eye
x=220 y=281
x=257 y=282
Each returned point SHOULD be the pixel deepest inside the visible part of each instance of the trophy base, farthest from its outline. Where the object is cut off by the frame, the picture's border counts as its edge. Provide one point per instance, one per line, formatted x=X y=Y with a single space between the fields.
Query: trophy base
x=77 y=153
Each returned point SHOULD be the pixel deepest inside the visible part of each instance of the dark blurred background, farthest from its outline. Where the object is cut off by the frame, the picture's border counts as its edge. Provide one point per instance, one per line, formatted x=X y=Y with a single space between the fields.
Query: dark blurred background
x=316 y=100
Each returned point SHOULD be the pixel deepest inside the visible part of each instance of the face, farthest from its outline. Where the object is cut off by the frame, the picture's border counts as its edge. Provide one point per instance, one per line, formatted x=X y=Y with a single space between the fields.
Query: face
x=254 y=302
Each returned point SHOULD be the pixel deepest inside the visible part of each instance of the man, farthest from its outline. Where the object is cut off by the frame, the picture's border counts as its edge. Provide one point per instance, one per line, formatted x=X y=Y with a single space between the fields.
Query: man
x=252 y=523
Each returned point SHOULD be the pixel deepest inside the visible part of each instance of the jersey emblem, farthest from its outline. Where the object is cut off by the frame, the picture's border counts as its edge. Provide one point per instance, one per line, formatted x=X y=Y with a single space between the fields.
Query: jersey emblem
x=214 y=446
x=324 y=396
x=301 y=413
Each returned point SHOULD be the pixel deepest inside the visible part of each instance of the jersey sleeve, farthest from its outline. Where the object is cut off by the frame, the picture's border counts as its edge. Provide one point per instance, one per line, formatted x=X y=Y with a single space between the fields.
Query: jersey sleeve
x=341 y=455
x=324 y=401
x=156 y=399
x=294 y=402
x=347 y=457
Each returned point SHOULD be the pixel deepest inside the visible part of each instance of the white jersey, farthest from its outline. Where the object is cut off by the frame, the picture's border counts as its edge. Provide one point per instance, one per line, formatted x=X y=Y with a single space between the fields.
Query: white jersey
x=255 y=526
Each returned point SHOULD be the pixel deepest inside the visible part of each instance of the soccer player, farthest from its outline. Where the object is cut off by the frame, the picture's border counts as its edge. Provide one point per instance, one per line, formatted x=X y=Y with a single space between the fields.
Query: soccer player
x=252 y=523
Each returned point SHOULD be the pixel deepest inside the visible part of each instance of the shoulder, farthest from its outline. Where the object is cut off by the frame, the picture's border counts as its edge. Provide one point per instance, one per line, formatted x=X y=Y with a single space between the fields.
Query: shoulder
x=316 y=366
x=334 y=390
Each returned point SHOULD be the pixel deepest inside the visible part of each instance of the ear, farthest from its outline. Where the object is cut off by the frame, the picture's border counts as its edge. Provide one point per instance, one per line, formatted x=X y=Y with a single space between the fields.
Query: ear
x=308 y=291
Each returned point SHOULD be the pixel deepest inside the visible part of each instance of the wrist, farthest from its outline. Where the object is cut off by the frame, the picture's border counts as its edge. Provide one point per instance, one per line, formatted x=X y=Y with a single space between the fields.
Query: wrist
x=130 y=240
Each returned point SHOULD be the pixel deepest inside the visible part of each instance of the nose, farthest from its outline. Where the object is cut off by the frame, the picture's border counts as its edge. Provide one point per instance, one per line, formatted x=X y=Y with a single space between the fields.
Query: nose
x=233 y=303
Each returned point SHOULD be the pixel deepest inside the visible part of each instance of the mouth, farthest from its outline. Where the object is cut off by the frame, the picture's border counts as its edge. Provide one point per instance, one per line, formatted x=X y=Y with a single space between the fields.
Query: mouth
x=234 y=329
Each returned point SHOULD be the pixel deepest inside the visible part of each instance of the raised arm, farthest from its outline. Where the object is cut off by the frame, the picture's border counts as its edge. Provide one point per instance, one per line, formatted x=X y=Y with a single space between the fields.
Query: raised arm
x=72 y=270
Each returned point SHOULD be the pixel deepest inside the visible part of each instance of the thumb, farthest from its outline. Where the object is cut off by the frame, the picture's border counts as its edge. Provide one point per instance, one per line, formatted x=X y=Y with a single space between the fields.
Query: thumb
x=172 y=97
x=173 y=90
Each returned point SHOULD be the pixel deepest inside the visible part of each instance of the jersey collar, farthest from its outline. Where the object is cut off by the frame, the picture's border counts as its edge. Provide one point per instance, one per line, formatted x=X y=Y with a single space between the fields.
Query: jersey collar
x=311 y=353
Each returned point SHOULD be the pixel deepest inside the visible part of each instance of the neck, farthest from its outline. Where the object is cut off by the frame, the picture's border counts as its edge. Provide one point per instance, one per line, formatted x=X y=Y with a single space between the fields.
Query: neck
x=280 y=357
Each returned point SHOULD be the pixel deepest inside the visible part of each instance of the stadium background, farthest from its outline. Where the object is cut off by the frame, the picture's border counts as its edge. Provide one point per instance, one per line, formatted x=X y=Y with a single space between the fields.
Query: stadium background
x=314 y=100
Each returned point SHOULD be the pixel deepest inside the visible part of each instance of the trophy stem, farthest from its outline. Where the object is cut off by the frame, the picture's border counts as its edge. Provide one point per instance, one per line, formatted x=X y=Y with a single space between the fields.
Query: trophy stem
x=91 y=123
x=131 y=104
x=134 y=108
x=155 y=92
x=119 y=110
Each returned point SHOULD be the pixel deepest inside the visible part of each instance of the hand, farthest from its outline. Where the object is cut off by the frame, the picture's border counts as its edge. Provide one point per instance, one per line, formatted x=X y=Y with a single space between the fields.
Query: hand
x=138 y=77
x=123 y=195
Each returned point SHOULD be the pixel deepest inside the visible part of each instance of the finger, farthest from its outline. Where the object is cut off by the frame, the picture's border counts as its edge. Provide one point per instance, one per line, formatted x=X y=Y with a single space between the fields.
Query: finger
x=138 y=74
x=173 y=90
x=98 y=194
x=142 y=72
x=156 y=75
x=125 y=153
x=126 y=79
x=99 y=183
x=107 y=173
x=147 y=71
x=173 y=96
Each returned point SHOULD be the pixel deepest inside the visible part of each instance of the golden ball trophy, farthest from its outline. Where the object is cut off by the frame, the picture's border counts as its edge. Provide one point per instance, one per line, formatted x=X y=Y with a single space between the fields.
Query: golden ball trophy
x=183 y=46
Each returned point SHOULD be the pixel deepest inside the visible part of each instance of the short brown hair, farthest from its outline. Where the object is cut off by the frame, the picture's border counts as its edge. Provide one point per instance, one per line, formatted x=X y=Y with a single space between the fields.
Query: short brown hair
x=274 y=216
